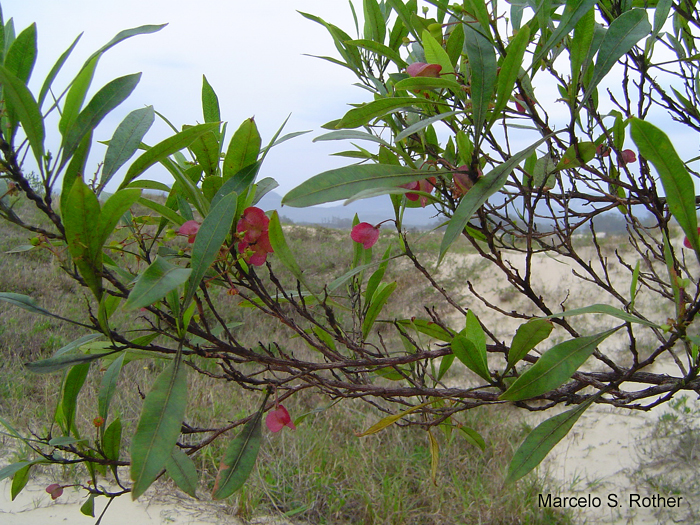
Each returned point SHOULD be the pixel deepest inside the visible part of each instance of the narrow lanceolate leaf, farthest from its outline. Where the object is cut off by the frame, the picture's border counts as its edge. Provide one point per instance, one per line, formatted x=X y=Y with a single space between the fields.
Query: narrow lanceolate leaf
x=210 y=104
x=381 y=296
x=104 y=101
x=243 y=150
x=422 y=124
x=343 y=183
x=25 y=302
x=468 y=353
x=483 y=67
x=181 y=469
x=240 y=457
x=479 y=194
x=390 y=420
x=125 y=141
x=52 y=364
x=210 y=237
x=21 y=55
x=19 y=481
x=527 y=337
x=379 y=49
x=155 y=282
x=351 y=134
x=25 y=108
x=375 y=25
x=282 y=251
x=12 y=469
x=166 y=212
x=541 y=441
x=164 y=149
x=378 y=108
x=436 y=54
x=510 y=70
x=46 y=86
x=113 y=210
x=81 y=215
x=555 y=367
x=108 y=386
x=159 y=427
x=607 y=310
x=655 y=146
x=622 y=35
x=72 y=386
x=573 y=12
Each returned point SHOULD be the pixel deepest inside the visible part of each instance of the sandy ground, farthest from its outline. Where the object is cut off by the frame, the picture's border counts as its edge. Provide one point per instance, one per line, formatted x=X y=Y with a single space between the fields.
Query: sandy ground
x=598 y=458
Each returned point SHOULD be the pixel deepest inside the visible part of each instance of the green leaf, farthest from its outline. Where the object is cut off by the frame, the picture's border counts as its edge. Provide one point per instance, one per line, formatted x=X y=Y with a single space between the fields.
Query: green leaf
x=12 y=469
x=243 y=150
x=52 y=364
x=282 y=251
x=211 y=235
x=20 y=99
x=76 y=168
x=72 y=386
x=125 y=141
x=424 y=83
x=574 y=10
x=108 y=386
x=46 y=86
x=88 y=508
x=112 y=440
x=528 y=336
x=19 y=481
x=607 y=310
x=239 y=183
x=379 y=49
x=375 y=25
x=76 y=344
x=155 y=282
x=164 y=149
x=76 y=95
x=25 y=302
x=81 y=214
x=541 y=441
x=376 y=277
x=181 y=469
x=351 y=134
x=479 y=194
x=473 y=437
x=206 y=150
x=422 y=124
x=581 y=45
x=428 y=328
x=378 y=108
x=471 y=356
x=555 y=367
x=240 y=457
x=166 y=212
x=21 y=55
x=435 y=54
x=381 y=296
x=622 y=35
x=104 y=101
x=586 y=150
x=510 y=69
x=483 y=67
x=343 y=183
x=113 y=210
x=655 y=146
x=158 y=427
x=210 y=104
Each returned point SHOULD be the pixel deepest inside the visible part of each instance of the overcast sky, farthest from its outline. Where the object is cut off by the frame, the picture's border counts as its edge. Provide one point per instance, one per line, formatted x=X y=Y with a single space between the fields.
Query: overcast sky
x=251 y=52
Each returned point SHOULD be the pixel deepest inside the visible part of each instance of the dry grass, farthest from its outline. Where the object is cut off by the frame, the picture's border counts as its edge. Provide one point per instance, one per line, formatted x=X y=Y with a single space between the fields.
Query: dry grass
x=322 y=473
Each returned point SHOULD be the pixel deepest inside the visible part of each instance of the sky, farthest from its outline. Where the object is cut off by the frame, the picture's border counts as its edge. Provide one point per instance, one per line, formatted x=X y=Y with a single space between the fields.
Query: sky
x=252 y=53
